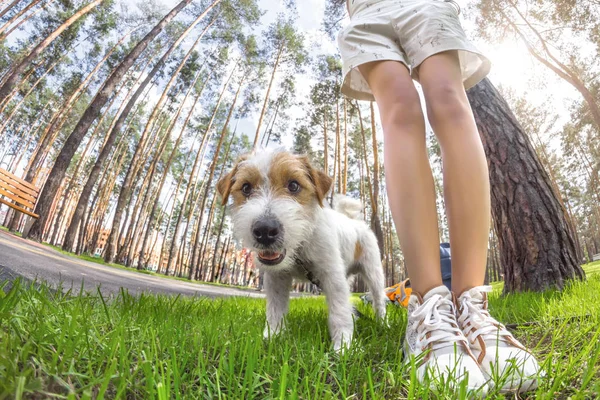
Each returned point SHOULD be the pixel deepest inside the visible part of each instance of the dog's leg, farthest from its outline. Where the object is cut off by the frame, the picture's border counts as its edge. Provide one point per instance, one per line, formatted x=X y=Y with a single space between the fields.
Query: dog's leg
x=337 y=292
x=277 y=288
x=371 y=269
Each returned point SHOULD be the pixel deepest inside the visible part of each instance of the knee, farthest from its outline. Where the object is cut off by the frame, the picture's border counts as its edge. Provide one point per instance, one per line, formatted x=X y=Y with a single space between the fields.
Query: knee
x=402 y=112
x=447 y=103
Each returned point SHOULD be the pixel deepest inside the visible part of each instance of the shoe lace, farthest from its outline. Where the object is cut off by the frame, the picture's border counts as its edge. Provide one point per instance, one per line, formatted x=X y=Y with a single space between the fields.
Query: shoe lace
x=436 y=316
x=475 y=315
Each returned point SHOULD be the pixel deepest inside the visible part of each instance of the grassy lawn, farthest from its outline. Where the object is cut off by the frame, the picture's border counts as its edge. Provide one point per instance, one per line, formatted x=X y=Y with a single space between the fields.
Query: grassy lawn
x=55 y=345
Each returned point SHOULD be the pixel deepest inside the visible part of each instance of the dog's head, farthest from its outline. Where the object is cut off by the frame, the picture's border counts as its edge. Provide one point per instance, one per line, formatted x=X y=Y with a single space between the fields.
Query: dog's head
x=276 y=195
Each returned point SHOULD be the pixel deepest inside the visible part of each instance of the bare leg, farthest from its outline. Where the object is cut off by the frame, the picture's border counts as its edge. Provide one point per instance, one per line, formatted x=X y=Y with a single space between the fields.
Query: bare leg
x=409 y=180
x=466 y=179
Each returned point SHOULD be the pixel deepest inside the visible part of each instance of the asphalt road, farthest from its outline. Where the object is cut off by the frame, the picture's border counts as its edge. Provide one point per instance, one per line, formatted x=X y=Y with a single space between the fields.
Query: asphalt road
x=36 y=262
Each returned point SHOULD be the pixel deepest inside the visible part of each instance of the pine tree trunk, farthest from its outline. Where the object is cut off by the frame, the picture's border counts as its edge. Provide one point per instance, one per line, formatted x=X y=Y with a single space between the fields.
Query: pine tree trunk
x=16 y=16
x=213 y=166
x=122 y=116
x=325 y=146
x=266 y=101
x=9 y=7
x=125 y=192
x=174 y=247
x=82 y=203
x=69 y=244
x=366 y=158
x=345 y=183
x=143 y=194
x=24 y=20
x=338 y=146
x=13 y=75
x=57 y=120
x=167 y=166
x=537 y=248
x=89 y=116
x=172 y=211
x=375 y=219
x=225 y=158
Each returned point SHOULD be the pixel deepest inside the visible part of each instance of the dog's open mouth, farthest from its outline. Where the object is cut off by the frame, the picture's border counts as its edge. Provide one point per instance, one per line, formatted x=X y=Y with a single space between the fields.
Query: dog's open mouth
x=269 y=257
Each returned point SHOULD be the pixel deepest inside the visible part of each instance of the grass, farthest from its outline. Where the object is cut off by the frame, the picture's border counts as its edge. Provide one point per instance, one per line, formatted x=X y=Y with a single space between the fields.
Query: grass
x=3 y=228
x=82 y=346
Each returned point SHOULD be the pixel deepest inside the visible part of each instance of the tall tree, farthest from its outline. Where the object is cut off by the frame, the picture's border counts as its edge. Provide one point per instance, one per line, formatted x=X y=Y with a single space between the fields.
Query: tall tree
x=89 y=116
x=543 y=26
x=537 y=247
x=285 y=47
x=14 y=74
x=116 y=129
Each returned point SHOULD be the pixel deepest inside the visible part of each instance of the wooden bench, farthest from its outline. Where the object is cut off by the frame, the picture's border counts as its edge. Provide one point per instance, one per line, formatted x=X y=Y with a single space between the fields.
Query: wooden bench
x=596 y=257
x=17 y=193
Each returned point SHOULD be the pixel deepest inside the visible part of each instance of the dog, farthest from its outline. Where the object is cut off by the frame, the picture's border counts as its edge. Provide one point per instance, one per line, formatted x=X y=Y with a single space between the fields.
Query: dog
x=280 y=212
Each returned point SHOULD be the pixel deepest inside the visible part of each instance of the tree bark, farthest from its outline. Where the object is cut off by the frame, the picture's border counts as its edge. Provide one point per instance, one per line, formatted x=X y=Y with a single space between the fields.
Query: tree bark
x=536 y=245
x=174 y=247
x=266 y=101
x=9 y=7
x=16 y=16
x=212 y=169
x=14 y=74
x=57 y=120
x=167 y=167
x=345 y=184
x=338 y=154
x=24 y=20
x=125 y=192
x=89 y=116
x=375 y=220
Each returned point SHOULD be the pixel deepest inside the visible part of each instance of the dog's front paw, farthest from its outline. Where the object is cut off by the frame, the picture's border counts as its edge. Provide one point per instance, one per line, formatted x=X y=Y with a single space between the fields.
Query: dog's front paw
x=342 y=344
x=271 y=332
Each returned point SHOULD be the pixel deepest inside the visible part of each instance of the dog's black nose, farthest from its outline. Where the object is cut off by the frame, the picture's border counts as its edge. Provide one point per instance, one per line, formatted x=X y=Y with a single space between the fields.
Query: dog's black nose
x=266 y=231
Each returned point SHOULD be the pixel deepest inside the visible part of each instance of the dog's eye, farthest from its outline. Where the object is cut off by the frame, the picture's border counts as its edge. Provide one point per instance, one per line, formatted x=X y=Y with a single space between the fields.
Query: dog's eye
x=246 y=189
x=293 y=187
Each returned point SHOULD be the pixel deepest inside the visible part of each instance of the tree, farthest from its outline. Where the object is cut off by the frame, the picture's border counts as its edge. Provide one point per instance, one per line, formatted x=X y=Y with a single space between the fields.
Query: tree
x=17 y=16
x=537 y=248
x=544 y=37
x=89 y=116
x=116 y=129
x=13 y=76
x=285 y=47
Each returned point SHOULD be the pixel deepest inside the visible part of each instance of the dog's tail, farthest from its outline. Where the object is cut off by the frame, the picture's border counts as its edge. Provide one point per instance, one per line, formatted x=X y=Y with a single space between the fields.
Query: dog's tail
x=348 y=206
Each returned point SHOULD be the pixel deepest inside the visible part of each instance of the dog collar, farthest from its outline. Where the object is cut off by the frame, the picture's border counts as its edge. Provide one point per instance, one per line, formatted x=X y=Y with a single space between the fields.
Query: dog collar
x=307 y=274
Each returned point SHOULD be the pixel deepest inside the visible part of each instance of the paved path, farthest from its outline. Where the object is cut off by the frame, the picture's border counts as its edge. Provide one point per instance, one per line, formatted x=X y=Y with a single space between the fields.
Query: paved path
x=33 y=261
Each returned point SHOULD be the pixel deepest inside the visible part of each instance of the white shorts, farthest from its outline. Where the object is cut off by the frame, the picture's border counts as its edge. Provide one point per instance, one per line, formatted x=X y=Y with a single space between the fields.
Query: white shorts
x=408 y=31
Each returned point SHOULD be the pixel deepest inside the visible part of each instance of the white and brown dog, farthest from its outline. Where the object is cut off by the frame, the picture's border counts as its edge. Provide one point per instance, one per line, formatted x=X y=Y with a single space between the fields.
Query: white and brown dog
x=279 y=212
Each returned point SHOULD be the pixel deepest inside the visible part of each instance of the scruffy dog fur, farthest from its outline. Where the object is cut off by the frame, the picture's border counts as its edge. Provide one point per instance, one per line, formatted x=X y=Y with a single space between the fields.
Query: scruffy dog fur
x=279 y=212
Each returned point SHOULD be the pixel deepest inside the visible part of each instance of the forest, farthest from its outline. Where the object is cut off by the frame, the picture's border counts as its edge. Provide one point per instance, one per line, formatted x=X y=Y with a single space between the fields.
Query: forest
x=126 y=114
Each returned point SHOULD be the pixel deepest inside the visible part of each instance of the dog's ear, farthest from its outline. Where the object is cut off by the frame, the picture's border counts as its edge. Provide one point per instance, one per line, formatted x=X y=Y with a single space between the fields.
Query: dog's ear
x=225 y=183
x=319 y=178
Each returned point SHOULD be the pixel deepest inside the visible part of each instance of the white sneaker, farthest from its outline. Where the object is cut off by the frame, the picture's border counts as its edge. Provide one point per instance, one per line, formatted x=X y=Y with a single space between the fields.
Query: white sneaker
x=501 y=357
x=439 y=346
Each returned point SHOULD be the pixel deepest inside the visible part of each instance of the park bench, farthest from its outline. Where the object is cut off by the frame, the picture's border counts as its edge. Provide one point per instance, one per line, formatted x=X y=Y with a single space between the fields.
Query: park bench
x=596 y=257
x=17 y=193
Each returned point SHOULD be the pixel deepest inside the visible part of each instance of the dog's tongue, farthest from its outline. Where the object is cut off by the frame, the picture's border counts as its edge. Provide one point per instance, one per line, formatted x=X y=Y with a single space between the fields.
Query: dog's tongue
x=269 y=255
